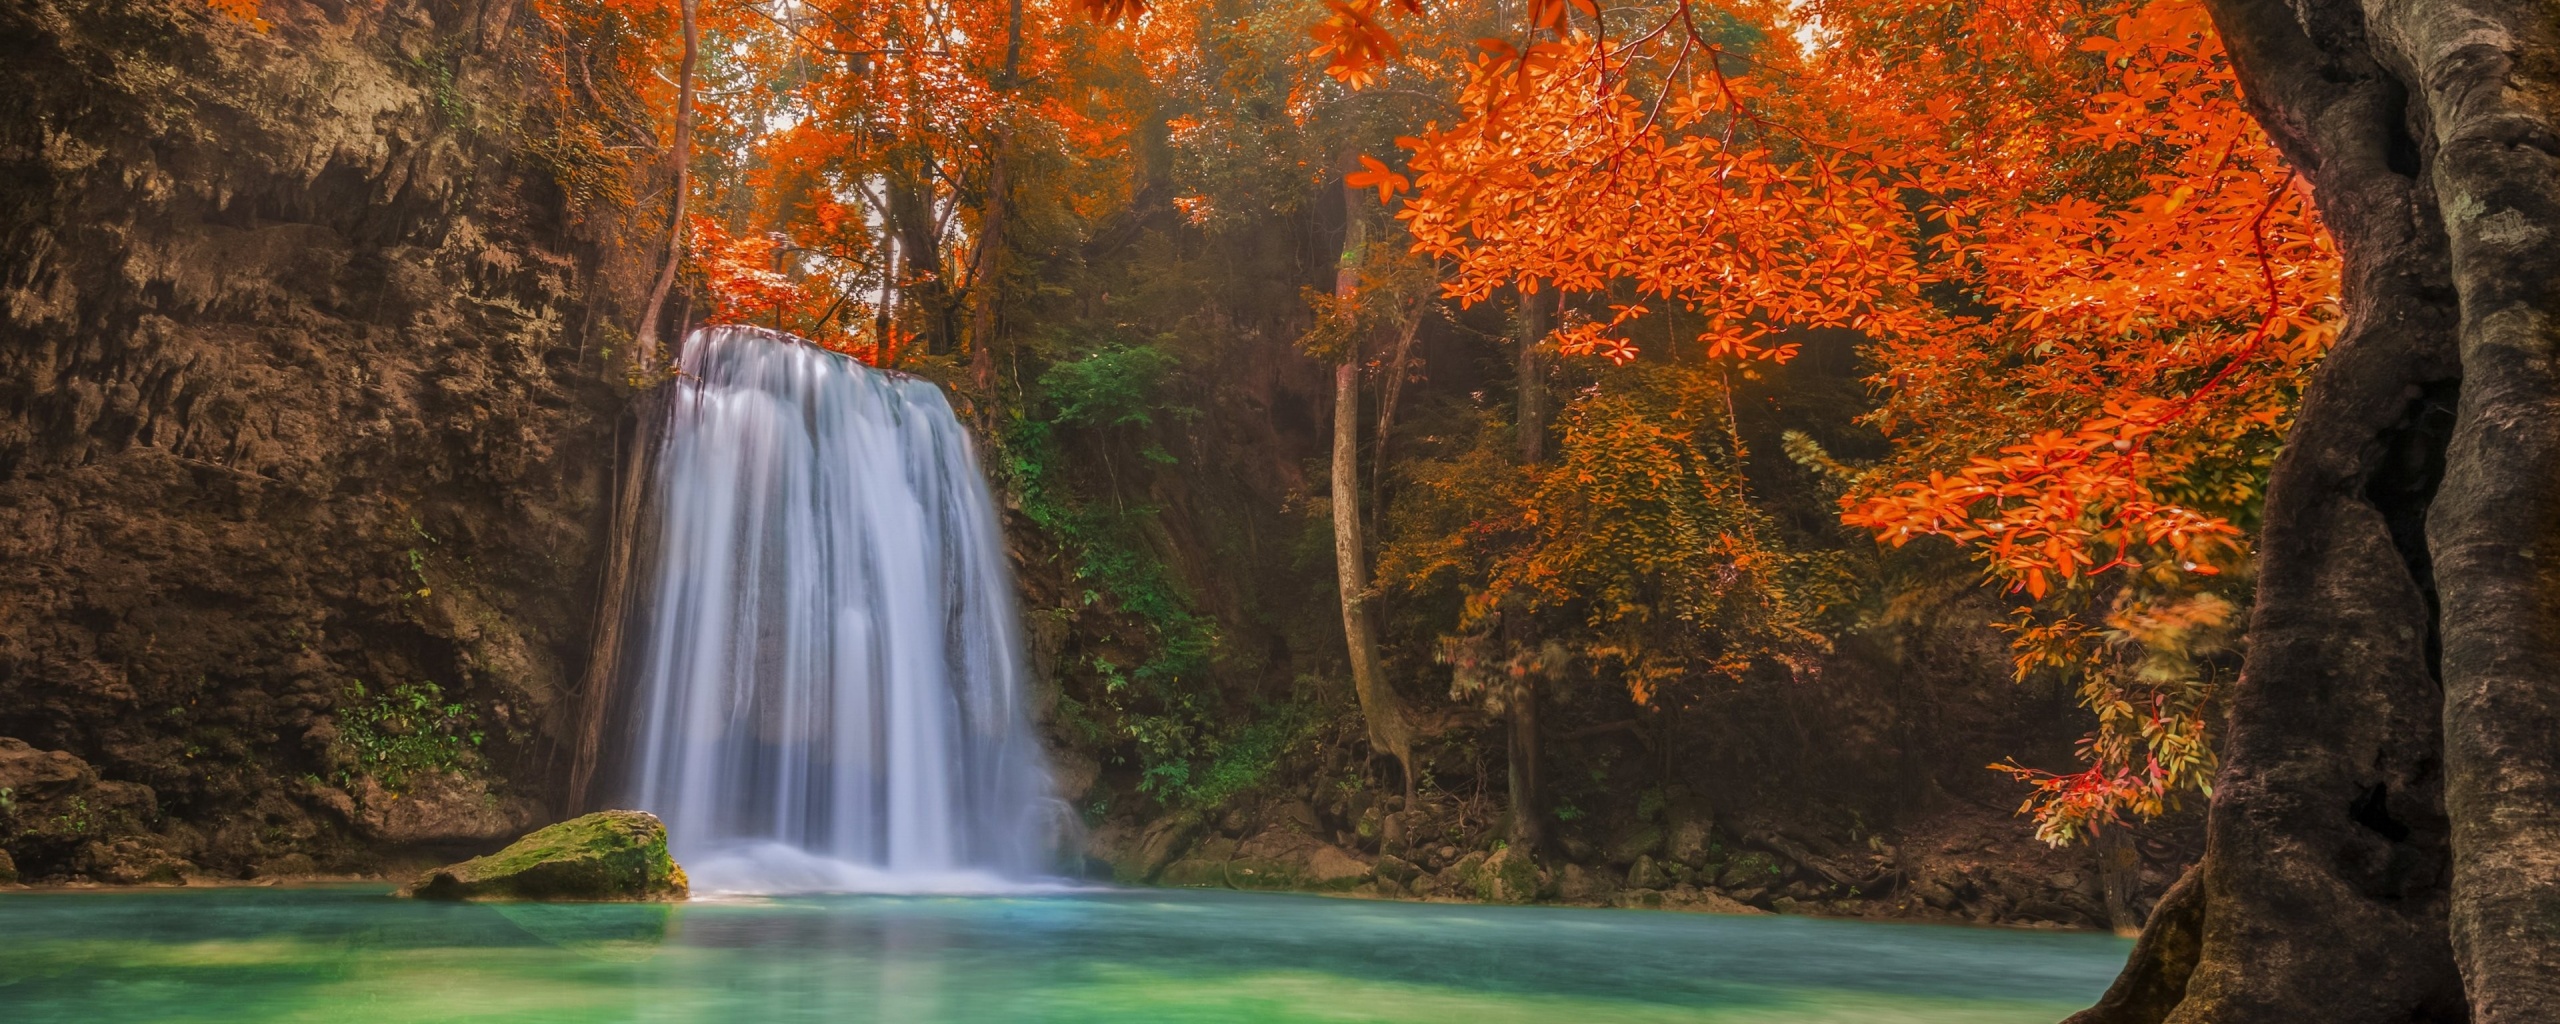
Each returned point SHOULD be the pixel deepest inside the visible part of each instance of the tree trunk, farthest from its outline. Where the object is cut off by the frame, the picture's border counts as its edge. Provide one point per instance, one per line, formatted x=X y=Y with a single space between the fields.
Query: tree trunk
x=986 y=296
x=1379 y=708
x=1532 y=382
x=680 y=156
x=1528 y=801
x=2389 y=806
x=1528 y=804
x=924 y=291
x=2119 y=874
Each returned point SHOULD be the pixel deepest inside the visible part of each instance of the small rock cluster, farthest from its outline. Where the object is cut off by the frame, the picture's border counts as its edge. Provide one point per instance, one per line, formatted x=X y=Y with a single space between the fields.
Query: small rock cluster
x=1676 y=855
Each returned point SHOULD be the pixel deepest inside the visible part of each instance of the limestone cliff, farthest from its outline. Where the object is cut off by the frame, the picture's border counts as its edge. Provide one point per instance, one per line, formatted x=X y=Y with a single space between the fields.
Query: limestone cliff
x=305 y=428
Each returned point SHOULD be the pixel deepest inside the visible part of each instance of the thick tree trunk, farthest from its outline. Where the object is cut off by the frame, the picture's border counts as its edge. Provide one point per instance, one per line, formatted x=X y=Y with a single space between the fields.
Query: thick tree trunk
x=680 y=157
x=2389 y=805
x=2489 y=77
x=1379 y=708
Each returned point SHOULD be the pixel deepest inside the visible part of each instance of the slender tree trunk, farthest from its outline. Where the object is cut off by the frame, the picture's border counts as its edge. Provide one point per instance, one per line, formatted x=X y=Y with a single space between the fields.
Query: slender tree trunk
x=884 y=317
x=680 y=157
x=1532 y=381
x=1379 y=708
x=987 y=295
x=1528 y=801
x=2384 y=843
x=2119 y=874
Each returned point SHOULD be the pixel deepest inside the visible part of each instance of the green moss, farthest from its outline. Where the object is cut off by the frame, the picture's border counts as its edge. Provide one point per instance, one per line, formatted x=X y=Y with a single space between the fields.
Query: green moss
x=609 y=855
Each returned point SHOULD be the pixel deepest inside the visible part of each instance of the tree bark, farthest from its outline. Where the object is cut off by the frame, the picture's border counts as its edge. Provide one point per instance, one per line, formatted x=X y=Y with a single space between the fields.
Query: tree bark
x=1379 y=708
x=924 y=290
x=986 y=297
x=1528 y=803
x=2488 y=75
x=1531 y=382
x=2119 y=874
x=1528 y=799
x=680 y=155
x=2384 y=843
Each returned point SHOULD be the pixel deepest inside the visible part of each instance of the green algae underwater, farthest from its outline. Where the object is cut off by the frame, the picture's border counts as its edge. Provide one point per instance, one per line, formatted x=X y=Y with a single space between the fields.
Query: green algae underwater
x=349 y=953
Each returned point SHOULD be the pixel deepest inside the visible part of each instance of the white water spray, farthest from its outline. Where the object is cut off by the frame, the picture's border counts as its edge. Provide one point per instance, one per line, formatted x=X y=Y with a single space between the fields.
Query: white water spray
x=829 y=682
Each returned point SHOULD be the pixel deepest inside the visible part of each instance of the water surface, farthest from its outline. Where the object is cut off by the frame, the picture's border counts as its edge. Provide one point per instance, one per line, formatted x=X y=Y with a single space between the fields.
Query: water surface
x=1127 y=957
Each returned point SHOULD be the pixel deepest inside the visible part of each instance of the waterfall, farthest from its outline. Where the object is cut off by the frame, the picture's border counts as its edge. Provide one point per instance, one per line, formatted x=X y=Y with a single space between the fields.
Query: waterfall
x=827 y=674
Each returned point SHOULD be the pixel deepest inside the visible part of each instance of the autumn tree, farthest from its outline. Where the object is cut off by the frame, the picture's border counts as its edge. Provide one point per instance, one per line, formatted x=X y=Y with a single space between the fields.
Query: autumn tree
x=2395 y=627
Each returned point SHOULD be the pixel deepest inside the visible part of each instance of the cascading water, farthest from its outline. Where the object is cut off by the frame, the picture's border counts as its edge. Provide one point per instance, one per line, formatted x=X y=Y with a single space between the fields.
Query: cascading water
x=828 y=684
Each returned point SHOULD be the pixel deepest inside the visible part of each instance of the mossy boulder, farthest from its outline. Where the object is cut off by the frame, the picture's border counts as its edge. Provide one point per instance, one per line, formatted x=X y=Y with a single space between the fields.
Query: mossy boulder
x=1751 y=870
x=606 y=856
x=1509 y=876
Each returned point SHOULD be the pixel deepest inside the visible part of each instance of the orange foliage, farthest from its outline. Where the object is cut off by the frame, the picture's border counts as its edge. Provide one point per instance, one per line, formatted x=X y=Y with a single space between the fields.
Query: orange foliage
x=2091 y=287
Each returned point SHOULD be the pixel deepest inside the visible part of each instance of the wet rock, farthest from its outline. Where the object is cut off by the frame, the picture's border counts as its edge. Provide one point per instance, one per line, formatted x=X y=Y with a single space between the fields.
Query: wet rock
x=1300 y=815
x=1713 y=902
x=291 y=865
x=606 y=856
x=1640 y=899
x=1627 y=846
x=1397 y=868
x=1391 y=831
x=1934 y=893
x=1752 y=868
x=1194 y=873
x=1647 y=874
x=1581 y=884
x=1687 y=840
x=1460 y=875
x=1279 y=859
x=131 y=860
x=2045 y=909
x=35 y=776
x=1161 y=844
x=1578 y=850
x=1074 y=773
x=58 y=817
x=1509 y=876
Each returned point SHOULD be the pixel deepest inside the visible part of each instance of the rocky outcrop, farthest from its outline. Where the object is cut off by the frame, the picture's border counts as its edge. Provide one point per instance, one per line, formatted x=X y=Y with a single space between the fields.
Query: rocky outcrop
x=58 y=818
x=305 y=421
x=600 y=857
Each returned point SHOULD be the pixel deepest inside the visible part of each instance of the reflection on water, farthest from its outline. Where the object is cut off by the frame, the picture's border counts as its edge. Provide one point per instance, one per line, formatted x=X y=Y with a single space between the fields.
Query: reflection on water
x=347 y=953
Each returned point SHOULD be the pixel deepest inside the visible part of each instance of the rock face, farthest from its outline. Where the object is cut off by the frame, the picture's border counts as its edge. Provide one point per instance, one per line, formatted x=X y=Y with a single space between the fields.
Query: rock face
x=62 y=820
x=605 y=856
x=305 y=419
